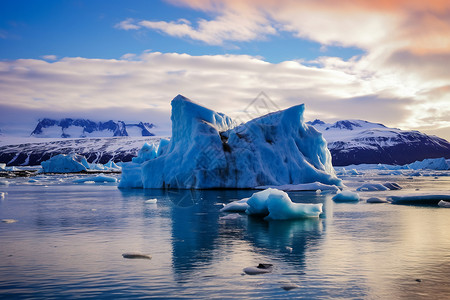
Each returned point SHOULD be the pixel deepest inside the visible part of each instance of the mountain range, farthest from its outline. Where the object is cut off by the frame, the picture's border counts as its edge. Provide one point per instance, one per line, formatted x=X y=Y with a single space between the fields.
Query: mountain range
x=358 y=141
x=349 y=141
x=81 y=128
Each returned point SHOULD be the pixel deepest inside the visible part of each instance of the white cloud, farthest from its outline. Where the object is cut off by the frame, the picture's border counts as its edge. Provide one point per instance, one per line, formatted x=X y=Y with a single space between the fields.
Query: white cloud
x=227 y=27
x=143 y=87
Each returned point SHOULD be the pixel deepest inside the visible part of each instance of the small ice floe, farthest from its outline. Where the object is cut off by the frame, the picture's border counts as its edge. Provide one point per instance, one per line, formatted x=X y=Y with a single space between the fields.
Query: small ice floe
x=259 y=269
x=301 y=187
x=234 y=216
x=2 y=195
x=287 y=286
x=346 y=196
x=392 y=186
x=136 y=256
x=419 y=199
x=288 y=249
x=9 y=221
x=376 y=200
x=151 y=201
x=97 y=179
x=445 y=204
x=372 y=187
x=4 y=182
x=236 y=206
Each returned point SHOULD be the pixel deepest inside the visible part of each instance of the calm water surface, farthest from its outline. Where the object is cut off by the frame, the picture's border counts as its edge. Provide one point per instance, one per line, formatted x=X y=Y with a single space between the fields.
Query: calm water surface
x=68 y=243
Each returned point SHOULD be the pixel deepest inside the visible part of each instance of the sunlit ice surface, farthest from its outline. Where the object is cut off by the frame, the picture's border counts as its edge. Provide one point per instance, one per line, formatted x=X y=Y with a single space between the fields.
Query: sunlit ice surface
x=68 y=241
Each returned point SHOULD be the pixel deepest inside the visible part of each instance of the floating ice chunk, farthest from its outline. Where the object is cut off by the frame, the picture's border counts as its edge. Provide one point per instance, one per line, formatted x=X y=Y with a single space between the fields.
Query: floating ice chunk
x=151 y=201
x=445 y=204
x=282 y=208
x=302 y=187
x=430 y=163
x=98 y=179
x=372 y=187
x=97 y=167
x=147 y=152
x=2 y=166
x=376 y=200
x=392 y=186
x=9 y=221
x=112 y=165
x=346 y=196
x=4 y=182
x=260 y=269
x=2 y=195
x=236 y=206
x=63 y=163
x=419 y=199
x=234 y=216
x=277 y=205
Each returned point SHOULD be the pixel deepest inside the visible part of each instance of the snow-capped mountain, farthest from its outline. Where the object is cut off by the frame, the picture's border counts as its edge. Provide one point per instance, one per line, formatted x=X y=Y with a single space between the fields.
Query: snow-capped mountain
x=96 y=150
x=358 y=141
x=80 y=128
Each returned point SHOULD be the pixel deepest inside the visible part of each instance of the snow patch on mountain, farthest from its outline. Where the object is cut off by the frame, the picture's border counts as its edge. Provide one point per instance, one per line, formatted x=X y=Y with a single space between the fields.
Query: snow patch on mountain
x=81 y=128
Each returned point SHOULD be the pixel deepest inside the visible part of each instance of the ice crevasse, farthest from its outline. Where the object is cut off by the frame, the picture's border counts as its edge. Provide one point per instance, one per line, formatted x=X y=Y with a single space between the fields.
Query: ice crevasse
x=209 y=150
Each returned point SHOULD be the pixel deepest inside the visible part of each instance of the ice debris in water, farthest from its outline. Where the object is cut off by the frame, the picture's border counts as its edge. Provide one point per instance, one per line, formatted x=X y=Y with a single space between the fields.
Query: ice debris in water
x=208 y=150
x=151 y=201
x=445 y=204
x=98 y=179
x=274 y=204
x=315 y=186
x=259 y=269
x=372 y=187
x=4 y=182
x=430 y=199
x=376 y=200
x=346 y=196
x=65 y=163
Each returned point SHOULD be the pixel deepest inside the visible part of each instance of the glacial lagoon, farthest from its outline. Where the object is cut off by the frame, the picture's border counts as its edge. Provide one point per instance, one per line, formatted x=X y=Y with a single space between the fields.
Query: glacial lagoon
x=61 y=240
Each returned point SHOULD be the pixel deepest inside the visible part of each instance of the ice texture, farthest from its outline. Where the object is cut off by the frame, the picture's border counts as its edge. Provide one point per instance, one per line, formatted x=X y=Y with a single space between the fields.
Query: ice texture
x=430 y=163
x=372 y=187
x=98 y=179
x=208 y=150
x=443 y=203
x=346 y=196
x=274 y=204
x=65 y=163
x=302 y=187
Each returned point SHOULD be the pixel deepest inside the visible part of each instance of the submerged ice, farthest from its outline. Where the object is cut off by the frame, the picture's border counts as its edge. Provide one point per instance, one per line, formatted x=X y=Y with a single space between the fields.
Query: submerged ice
x=209 y=150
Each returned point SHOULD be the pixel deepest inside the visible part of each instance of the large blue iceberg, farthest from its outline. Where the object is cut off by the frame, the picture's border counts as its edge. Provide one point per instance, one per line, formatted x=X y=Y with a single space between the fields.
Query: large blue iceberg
x=209 y=150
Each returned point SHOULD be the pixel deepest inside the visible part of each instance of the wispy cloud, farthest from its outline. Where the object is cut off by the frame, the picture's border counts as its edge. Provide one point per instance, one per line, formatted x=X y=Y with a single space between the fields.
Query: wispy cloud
x=144 y=86
x=227 y=27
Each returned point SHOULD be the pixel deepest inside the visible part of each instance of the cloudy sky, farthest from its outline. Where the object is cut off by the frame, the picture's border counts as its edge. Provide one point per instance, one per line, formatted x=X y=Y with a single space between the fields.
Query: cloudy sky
x=384 y=61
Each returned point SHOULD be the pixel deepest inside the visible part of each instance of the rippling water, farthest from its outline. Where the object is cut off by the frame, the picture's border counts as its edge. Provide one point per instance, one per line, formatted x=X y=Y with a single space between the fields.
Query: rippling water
x=69 y=239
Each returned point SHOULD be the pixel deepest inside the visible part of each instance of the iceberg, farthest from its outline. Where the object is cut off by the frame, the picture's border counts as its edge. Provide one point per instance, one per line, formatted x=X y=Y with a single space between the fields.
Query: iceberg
x=65 y=163
x=430 y=163
x=274 y=204
x=443 y=203
x=346 y=196
x=98 y=179
x=419 y=199
x=209 y=150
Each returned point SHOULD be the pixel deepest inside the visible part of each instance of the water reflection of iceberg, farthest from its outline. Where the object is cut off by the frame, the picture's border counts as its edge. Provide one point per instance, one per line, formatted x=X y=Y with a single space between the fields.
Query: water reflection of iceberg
x=200 y=239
